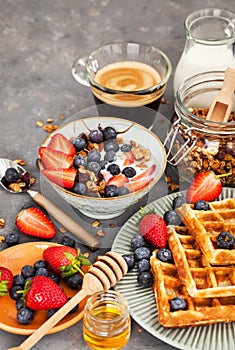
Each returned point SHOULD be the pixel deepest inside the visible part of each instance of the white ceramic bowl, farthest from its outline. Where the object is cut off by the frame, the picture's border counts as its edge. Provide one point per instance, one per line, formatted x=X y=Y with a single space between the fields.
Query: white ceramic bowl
x=105 y=208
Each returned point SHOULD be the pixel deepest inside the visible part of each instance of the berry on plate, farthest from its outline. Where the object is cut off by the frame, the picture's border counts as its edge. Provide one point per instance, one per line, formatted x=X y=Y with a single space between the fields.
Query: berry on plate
x=41 y=293
x=65 y=261
x=6 y=280
x=206 y=186
x=33 y=222
x=153 y=228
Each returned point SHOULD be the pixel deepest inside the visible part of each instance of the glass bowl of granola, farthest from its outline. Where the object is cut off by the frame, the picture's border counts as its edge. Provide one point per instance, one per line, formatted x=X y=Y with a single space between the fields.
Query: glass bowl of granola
x=194 y=143
x=102 y=165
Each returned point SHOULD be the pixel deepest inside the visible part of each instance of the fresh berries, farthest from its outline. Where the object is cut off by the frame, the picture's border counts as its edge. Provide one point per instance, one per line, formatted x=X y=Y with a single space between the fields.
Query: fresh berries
x=41 y=293
x=225 y=240
x=60 y=143
x=65 y=261
x=153 y=228
x=74 y=282
x=137 y=241
x=178 y=303
x=53 y=159
x=206 y=186
x=25 y=315
x=178 y=201
x=12 y=239
x=165 y=255
x=33 y=222
x=6 y=280
x=145 y=279
x=201 y=205
x=61 y=176
x=129 y=172
x=142 y=253
x=11 y=175
x=172 y=218
x=130 y=261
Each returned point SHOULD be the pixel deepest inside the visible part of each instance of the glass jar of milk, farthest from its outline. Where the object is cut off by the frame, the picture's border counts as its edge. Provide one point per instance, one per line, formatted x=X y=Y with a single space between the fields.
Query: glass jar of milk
x=209 y=46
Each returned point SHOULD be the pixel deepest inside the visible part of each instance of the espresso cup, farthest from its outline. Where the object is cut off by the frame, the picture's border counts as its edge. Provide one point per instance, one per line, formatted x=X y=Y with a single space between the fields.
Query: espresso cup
x=128 y=77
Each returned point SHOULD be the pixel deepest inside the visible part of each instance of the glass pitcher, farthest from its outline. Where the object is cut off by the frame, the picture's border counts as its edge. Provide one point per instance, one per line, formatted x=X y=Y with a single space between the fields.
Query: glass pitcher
x=209 y=46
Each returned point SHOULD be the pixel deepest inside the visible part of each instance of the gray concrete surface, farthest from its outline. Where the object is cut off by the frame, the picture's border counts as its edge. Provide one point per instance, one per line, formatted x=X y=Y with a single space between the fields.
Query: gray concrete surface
x=39 y=39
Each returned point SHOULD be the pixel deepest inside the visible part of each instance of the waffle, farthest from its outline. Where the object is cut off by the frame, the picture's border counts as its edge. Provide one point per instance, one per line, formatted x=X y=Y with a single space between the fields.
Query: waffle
x=206 y=226
x=200 y=311
x=202 y=280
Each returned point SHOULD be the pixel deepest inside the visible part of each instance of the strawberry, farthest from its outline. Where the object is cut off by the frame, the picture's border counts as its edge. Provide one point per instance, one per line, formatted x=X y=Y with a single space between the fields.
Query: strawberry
x=153 y=228
x=60 y=143
x=33 y=222
x=6 y=280
x=60 y=176
x=145 y=173
x=64 y=260
x=134 y=186
x=130 y=158
x=206 y=186
x=41 y=293
x=55 y=159
x=118 y=180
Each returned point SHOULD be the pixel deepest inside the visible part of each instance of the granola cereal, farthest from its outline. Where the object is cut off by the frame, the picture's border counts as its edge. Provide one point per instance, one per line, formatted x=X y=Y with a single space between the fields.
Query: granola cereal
x=2 y=223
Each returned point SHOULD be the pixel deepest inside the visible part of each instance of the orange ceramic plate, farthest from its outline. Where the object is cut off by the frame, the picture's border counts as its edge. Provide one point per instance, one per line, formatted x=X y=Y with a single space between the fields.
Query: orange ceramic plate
x=14 y=258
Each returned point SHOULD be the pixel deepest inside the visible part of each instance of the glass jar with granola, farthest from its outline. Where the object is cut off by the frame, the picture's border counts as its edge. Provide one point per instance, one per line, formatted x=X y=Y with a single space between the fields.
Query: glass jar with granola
x=194 y=143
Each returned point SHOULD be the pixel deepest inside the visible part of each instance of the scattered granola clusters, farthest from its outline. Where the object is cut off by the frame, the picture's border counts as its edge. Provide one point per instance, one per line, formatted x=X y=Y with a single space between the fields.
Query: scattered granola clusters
x=211 y=152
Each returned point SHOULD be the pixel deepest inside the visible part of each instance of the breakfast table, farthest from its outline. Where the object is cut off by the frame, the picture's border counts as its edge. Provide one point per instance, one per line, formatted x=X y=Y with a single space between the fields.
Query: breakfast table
x=39 y=42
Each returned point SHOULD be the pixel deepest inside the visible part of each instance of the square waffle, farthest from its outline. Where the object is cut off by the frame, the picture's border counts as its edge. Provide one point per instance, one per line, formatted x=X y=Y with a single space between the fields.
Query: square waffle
x=200 y=311
x=207 y=225
x=201 y=279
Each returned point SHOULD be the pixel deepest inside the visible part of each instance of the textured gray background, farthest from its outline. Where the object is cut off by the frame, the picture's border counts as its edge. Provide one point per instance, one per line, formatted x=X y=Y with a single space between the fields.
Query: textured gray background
x=39 y=39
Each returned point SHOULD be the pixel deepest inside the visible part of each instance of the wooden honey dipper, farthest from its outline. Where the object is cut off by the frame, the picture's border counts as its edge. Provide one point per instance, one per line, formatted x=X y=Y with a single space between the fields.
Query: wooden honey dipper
x=104 y=273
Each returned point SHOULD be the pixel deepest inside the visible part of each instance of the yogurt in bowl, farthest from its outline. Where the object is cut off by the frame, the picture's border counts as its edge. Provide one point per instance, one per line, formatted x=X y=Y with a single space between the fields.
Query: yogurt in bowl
x=111 y=165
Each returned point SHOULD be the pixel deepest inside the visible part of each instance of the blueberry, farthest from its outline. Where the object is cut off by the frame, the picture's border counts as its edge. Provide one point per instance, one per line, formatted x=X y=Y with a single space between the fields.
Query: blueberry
x=93 y=156
x=142 y=253
x=12 y=239
x=68 y=241
x=165 y=255
x=80 y=188
x=111 y=145
x=145 y=279
x=130 y=261
x=42 y=271
x=96 y=136
x=177 y=304
x=51 y=312
x=74 y=282
x=178 y=201
x=25 y=315
x=18 y=280
x=137 y=241
x=201 y=205
x=103 y=163
x=111 y=191
x=129 y=171
x=79 y=143
x=122 y=191
x=172 y=218
x=40 y=263
x=110 y=156
x=19 y=304
x=54 y=277
x=109 y=133
x=225 y=240
x=114 y=169
x=27 y=271
x=13 y=292
x=11 y=175
x=79 y=161
x=126 y=147
x=143 y=265
x=94 y=167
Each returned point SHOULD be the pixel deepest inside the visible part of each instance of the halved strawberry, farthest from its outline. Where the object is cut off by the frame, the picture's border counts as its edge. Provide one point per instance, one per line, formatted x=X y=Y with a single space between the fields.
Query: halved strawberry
x=60 y=176
x=33 y=222
x=206 y=186
x=153 y=228
x=118 y=180
x=41 y=293
x=134 y=186
x=145 y=173
x=130 y=158
x=6 y=280
x=55 y=159
x=60 y=143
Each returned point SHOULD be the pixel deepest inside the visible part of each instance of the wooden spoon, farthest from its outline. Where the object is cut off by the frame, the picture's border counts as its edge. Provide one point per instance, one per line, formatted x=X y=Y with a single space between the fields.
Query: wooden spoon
x=104 y=273
x=222 y=105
